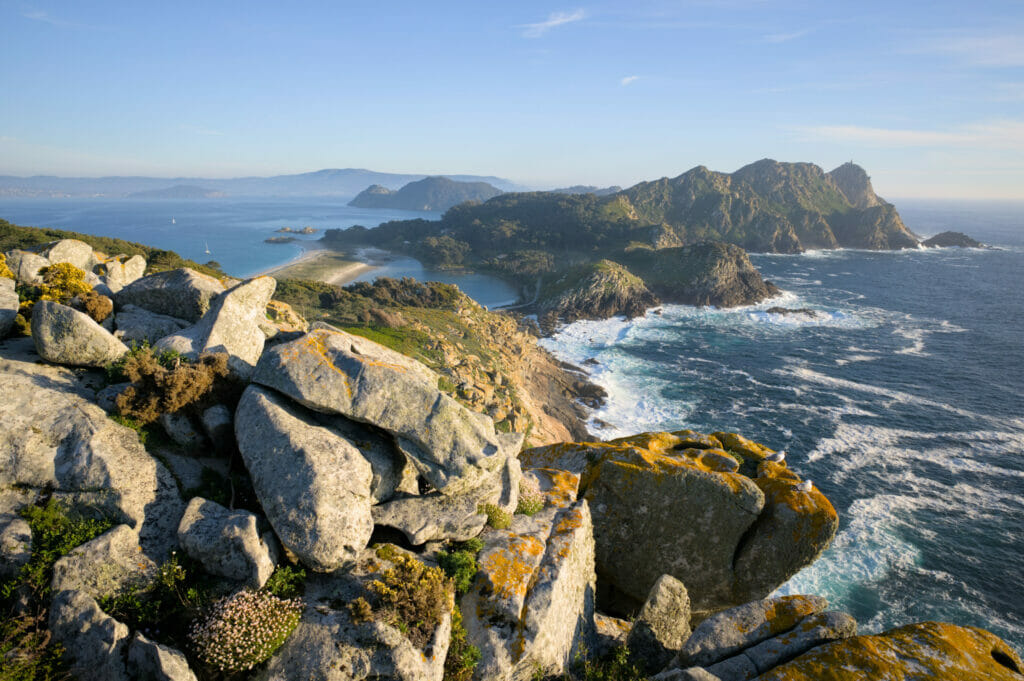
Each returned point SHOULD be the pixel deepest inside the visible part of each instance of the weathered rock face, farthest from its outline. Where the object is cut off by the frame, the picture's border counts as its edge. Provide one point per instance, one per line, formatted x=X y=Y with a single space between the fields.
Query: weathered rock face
x=182 y=293
x=436 y=516
x=26 y=266
x=95 y=643
x=662 y=625
x=696 y=513
x=531 y=606
x=227 y=543
x=151 y=661
x=120 y=271
x=51 y=435
x=66 y=336
x=313 y=484
x=929 y=651
x=8 y=306
x=952 y=240
x=281 y=318
x=133 y=323
x=15 y=543
x=708 y=273
x=328 y=646
x=71 y=251
x=105 y=566
x=456 y=450
x=723 y=635
x=231 y=325
x=855 y=185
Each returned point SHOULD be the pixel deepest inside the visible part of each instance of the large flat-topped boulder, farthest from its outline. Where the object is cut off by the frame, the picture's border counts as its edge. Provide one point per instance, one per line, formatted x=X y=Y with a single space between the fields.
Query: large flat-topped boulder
x=64 y=335
x=729 y=524
x=231 y=325
x=928 y=651
x=182 y=293
x=71 y=251
x=313 y=484
x=328 y=370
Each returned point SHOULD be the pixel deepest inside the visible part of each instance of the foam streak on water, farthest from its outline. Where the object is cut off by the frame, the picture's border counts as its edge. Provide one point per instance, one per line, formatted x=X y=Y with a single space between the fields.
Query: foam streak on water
x=900 y=398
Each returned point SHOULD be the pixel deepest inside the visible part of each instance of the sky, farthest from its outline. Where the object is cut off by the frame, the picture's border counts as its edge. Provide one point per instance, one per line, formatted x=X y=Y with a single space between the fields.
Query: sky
x=927 y=96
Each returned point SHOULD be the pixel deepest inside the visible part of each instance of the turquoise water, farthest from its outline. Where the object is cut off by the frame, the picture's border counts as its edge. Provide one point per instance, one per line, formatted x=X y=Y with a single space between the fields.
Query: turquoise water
x=234 y=231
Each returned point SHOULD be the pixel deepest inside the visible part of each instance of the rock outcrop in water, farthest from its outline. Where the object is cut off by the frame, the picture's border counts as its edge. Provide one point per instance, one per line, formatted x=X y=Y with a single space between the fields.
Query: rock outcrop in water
x=952 y=240
x=503 y=565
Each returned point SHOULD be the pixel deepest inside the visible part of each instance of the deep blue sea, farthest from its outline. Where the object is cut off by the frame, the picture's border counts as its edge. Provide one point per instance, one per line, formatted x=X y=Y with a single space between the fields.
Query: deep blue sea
x=903 y=400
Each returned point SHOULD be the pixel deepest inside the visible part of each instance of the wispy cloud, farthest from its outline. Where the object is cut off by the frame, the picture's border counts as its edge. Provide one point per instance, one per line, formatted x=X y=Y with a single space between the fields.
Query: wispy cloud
x=47 y=18
x=989 y=134
x=992 y=49
x=628 y=80
x=554 y=20
x=777 y=38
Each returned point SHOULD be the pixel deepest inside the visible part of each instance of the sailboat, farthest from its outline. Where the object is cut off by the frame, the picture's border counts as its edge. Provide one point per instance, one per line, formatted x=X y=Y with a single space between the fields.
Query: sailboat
x=173 y=222
x=207 y=247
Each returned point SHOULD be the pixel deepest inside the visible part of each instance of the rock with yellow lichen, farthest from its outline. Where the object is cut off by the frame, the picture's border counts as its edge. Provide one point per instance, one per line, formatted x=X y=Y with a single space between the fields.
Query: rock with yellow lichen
x=531 y=608
x=929 y=651
x=709 y=510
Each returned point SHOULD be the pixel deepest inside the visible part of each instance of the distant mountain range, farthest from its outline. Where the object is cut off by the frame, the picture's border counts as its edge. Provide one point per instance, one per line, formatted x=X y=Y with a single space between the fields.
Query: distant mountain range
x=335 y=182
x=431 y=193
x=178 y=191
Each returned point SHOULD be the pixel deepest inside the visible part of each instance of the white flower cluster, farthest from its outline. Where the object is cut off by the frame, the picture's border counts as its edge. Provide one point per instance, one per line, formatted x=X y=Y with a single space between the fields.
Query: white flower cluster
x=531 y=499
x=244 y=629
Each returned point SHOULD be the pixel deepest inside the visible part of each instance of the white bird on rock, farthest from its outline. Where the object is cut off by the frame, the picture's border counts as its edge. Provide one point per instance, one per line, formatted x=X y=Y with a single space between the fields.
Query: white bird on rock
x=777 y=457
x=804 y=486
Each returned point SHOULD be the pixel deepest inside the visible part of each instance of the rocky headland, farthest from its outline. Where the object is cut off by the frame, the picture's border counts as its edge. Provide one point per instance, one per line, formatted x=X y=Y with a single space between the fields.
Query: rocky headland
x=254 y=496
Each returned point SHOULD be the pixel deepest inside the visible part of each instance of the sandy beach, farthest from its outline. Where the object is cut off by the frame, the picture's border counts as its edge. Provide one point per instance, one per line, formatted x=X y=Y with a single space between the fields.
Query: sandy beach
x=321 y=264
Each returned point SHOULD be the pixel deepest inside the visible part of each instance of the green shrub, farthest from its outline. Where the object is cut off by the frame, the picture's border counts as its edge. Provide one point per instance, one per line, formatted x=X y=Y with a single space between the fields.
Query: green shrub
x=410 y=597
x=463 y=656
x=617 y=665
x=56 y=530
x=460 y=563
x=497 y=517
x=244 y=629
x=27 y=652
x=286 y=582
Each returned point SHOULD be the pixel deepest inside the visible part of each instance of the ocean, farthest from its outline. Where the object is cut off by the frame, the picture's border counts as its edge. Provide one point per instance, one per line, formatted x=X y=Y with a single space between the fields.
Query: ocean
x=902 y=399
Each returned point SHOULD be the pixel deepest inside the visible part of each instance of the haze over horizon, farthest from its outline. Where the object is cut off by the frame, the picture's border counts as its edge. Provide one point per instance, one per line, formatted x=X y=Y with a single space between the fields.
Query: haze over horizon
x=926 y=97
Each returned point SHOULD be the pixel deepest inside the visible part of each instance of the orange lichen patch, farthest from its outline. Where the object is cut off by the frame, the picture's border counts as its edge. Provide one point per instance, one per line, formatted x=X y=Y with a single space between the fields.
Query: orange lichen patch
x=574 y=457
x=929 y=650
x=691 y=438
x=813 y=519
x=313 y=343
x=508 y=572
x=779 y=471
x=743 y=446
x=782 y=614
x=559 y=487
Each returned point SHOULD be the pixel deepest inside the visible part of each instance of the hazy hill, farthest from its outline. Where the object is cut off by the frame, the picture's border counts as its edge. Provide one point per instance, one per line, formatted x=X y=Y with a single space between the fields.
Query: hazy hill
x=331 y=182
x=178 y=191
x=431 y=193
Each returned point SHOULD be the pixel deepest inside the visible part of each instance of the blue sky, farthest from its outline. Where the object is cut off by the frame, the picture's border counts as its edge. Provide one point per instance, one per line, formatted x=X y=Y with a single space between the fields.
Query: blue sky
x=927 y=96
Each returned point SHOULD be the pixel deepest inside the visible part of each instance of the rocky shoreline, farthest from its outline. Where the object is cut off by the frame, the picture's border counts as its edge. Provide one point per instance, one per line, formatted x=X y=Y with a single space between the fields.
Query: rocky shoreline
x=255 y=497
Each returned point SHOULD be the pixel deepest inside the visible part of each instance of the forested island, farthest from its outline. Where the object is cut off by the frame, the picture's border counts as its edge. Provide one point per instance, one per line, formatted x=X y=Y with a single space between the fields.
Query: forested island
x=585 y=255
